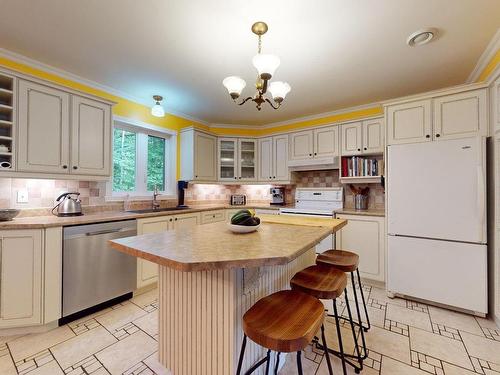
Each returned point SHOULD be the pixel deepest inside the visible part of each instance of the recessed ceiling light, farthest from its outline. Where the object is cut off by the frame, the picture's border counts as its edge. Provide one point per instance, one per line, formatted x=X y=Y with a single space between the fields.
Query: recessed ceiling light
x=421 y=37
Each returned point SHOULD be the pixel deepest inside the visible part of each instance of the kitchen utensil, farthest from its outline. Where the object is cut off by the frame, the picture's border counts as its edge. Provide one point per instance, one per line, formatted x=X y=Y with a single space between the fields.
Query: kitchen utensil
x=242 y=228
x=68 y=205
x=4 y=148
x=278 y=196
x=361 y=202
x=8 y=214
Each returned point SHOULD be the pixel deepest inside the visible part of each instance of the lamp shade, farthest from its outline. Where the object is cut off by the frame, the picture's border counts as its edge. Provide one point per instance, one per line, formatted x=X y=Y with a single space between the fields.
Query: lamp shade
x=157 y=110
x=234 y=85
x=279 y=90
x=266 y=65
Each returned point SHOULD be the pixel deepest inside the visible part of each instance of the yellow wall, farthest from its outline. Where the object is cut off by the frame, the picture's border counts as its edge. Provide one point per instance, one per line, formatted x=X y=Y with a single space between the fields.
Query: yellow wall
x=494 y=62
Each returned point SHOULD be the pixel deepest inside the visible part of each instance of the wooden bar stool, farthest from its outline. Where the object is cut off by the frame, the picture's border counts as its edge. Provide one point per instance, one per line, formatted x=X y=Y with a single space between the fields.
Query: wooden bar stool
x=285 y=322
x=325 y=282
x=347 y=261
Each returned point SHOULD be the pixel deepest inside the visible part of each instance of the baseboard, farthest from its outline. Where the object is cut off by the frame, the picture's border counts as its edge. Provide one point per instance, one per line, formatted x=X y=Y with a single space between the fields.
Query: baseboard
x=29 y=329
x=145 y=289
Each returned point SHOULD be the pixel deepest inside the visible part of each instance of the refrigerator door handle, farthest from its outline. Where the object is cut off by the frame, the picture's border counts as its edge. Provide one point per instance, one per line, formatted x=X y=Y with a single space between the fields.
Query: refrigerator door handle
x=481 y=201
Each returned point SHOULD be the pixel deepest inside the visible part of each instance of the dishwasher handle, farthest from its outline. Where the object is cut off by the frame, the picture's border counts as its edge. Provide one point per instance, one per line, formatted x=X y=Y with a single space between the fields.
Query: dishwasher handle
x=99 y=232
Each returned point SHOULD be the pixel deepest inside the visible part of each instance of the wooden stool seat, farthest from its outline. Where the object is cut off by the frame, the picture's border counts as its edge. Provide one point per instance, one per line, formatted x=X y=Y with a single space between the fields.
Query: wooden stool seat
x=320 y=281
x=285 y=321
x=343 y=260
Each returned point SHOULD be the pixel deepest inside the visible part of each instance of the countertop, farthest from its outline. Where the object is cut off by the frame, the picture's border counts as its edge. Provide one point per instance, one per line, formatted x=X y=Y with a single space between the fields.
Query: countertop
x=34 y=222
x=369 y=212
x=215 y=247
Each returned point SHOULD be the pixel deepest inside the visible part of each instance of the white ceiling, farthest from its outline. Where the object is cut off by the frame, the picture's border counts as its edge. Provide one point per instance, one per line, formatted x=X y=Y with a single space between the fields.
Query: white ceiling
x=334 y=53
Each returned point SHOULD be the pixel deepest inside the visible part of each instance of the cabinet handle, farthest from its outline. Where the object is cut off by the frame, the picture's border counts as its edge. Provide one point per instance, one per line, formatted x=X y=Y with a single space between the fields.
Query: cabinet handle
x=438 y=135
x=175 y=219
x=239 y=177
x=427 y=136
x=315 y=153
x=366 y=149
x=274 y=176
x=359 y=149
x=196 y=176
x=310 y=154
x=170 y=219
x=75 y=167
x=65 y=167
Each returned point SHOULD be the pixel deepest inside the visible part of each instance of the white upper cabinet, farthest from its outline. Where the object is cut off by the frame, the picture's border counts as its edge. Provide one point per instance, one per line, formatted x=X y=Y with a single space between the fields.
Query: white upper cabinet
x=301 y=145
x=266 y=159
x=50 y=141
x=247 y=159
x=373 y=136
x=273 y=159
x=198 y=156
x=228 y=159
x=280 y=158
x=91 y=137
x=351 y=138
x=326 y=142
x=409 y=122
x=44 y=129
x=461 y=115
x=457 y=115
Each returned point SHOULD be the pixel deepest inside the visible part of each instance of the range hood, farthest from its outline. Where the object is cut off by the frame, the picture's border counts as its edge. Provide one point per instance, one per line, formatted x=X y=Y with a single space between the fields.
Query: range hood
x=314 y=164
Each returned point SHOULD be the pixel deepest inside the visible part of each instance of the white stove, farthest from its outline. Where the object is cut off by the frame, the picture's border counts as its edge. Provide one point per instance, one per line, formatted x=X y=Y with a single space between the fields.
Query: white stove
x=320 y=202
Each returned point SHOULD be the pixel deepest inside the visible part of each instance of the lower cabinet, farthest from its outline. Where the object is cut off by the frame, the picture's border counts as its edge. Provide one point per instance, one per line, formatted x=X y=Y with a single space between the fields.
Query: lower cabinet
x=30 y=277
x=213 y=216
x=365 y=235
x=147 y=272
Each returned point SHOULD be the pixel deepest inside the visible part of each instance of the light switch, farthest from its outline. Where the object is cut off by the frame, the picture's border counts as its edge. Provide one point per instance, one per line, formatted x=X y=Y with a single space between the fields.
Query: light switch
x=22 y=196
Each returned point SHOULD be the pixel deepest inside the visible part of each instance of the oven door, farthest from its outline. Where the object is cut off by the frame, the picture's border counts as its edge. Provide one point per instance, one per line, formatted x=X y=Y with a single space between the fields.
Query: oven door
x=328 y=243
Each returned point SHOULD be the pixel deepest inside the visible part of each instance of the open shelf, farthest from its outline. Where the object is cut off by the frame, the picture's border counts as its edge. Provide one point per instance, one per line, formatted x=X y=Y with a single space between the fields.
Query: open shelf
x=361 y=180
x=7 y=101
x=362 y=169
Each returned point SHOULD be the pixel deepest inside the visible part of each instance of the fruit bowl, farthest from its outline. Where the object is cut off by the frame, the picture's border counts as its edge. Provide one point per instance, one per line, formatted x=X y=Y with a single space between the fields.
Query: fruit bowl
x=243 y=228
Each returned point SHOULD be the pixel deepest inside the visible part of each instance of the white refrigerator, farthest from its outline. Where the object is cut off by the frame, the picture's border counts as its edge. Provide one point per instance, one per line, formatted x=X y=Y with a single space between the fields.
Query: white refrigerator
x=436 y=222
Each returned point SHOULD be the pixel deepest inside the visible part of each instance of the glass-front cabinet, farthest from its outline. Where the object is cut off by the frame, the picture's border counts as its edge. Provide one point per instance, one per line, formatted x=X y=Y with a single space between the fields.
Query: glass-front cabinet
x=247 y=165
x=228 y=159
x=237 y=159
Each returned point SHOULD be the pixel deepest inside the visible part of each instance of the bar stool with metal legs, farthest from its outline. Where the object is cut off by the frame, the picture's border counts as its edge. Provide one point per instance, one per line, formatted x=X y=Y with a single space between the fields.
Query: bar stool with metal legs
x=347 y=261
x=325 y=282
x=284 y=322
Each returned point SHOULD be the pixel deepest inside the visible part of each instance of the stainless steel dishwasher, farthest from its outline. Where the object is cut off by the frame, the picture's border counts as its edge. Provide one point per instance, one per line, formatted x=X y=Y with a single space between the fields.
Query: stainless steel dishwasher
x=94 y=273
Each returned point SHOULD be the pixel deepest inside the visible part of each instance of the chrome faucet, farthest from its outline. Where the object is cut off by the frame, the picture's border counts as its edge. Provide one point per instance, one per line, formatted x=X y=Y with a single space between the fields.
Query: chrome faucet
x=156 y=204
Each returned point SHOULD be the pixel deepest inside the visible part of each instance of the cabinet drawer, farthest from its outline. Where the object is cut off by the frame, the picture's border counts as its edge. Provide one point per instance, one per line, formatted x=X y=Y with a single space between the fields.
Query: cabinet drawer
x=213 y=216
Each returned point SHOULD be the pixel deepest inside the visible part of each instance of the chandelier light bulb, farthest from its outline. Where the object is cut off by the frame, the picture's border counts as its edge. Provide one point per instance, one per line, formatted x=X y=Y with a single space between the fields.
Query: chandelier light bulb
x=157 y=110
x=266 y=65
x=234 y=86
x=279 y=90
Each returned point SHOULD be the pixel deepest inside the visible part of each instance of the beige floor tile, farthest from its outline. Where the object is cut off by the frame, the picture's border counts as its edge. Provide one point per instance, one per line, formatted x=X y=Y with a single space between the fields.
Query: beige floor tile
x=128 y=352
x=6 y=339
x=290 y=367
x=146 y=298
x=148 y=323
x=153 y=363
x=337 y=368
x=392 y=367
x=381 y=296
x=332 y=340
x=80 y=347
x=443 y=348
x=409 y=317
x=120 y=316
x=7 y=366
x=388 y=343
x=487 y=323
x=450 y=369
x=455 y=320
x=481 y=347
x=88 y=317
x=51 y=368
x=28 y=345
x=377 y=316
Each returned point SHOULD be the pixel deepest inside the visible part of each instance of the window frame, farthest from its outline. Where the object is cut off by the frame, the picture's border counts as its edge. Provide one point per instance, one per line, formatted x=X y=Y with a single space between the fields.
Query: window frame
x=142 y=131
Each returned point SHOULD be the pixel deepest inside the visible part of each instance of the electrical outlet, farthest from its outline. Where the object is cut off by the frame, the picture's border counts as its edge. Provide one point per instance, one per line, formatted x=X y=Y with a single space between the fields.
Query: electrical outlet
x=22 y=196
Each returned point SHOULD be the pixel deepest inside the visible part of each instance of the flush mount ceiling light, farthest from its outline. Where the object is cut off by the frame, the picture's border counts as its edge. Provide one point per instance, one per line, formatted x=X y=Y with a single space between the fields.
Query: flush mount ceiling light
x=157 y=110
x=421 y=37
x=266 y=65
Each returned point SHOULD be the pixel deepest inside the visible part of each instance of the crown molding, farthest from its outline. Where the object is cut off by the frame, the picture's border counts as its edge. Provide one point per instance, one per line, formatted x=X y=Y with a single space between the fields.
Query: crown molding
x=87 y=82
x=485 y=58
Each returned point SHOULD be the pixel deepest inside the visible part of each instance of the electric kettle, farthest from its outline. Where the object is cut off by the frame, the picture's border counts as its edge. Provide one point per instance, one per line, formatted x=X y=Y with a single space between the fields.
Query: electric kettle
x=68 y=205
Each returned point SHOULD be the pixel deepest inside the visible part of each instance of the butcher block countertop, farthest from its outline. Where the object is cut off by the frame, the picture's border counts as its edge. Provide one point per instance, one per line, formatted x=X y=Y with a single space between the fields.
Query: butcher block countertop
x=278 y=241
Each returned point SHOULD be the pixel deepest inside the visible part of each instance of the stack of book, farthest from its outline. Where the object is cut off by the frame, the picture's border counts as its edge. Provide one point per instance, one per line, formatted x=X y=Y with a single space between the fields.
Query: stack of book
x=359 y=167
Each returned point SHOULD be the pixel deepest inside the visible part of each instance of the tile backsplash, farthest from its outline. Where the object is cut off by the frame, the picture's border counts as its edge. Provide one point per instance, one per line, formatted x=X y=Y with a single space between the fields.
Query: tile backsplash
x=42 y=193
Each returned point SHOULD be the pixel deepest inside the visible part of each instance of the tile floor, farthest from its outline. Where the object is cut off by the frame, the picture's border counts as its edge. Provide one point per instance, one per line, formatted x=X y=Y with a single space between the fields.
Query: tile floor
x=406 y=338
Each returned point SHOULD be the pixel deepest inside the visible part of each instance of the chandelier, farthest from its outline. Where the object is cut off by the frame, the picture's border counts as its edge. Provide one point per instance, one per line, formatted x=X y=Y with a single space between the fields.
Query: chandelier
x=266 y=65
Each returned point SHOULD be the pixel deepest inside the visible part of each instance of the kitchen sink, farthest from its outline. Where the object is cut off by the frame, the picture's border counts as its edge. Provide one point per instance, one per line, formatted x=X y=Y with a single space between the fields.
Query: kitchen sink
x=149 y=210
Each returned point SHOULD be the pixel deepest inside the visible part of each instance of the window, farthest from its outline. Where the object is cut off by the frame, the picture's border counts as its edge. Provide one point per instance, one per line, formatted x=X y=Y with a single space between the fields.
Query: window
x=140 y=161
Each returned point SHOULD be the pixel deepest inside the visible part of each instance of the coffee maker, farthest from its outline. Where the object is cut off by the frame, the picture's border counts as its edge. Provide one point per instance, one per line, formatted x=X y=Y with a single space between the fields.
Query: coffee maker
x=278 y=196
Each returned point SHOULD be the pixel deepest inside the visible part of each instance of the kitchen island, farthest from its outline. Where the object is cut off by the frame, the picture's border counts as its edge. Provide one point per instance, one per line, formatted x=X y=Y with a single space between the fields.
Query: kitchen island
x=210 y=276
